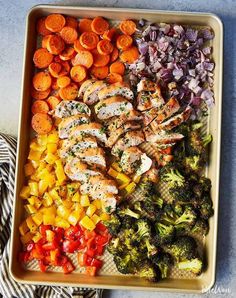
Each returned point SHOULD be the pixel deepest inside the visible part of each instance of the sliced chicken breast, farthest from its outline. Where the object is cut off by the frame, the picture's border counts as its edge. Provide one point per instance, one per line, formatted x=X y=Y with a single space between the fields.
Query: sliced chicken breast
x=131 y=160
x=67 y=124
x=147 y=100
x=115 y=90
x=112 y=106
x=130 y=139
x=162 y=137
x=117 y=122
x=92 y=129
x=146 y=85
x=109 y=202
x=93 y=156
x=67 y=108
x=91 y=94
x=84 y=87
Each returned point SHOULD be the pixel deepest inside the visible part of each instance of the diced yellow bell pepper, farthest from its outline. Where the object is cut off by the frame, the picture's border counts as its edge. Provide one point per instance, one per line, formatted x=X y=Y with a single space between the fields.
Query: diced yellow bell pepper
x=122 y=186
x=90 y=210
x=34 y=177
x=47 y=200
x=50 y=158
x=35 y=163
x=49 y=210
x=51 y=148
x=54 y=194
x=84 y=200
x=87 y=223
x=26 y=238
x=42 y=140
x=51 y=179
x=23 y=228
x=43 y=173
x=67 y=203
x=72 y=188
x=30 y=209
x=97 y=203
x=122 y=178
x=49 y=167
x=34 y=155
x=74 y=218
x=53 y=137
x=34 y=188
x=63 y=212
x=78 y=208
x=136 y=178
x=37 y=218
x=76 y=197
x=104 y=216
x=61 y=190
x=37 y=203
x=130 y=188
x=116 y=166
x=113 y=173
x=25 y=192
x=61 y=222
x=37 y=237
x=95 y=218
x=50 y=235
x=48 y=219
x=43 y=185
x=36 y=147
x=29 y=169
x=31 y=224
x=31 y=200
x=60 y=171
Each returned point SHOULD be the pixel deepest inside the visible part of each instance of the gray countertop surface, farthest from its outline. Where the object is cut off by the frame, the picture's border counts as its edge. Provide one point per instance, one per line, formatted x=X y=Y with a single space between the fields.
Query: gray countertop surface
x=12 y=30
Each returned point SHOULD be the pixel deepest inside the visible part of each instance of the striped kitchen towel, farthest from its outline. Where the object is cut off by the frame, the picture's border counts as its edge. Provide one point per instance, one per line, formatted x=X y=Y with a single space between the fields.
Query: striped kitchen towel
x=8 y=287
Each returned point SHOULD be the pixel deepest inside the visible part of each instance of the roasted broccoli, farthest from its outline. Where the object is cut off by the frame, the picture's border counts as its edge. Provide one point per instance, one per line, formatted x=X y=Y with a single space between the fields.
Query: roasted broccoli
x=124 y=264
x=174 y=178
x=151 y=248
x=194 y=163
x=123 y=211
x=143 y=229
x=207 y=140
x=149 y=272
x=184 y=248
x=115 y=247
x=164 y=233
x=164 y=261
x=127 y=222
x=206 y=207
x=188 y=218
x=113 y=224
x=194 y=265
x=201 y=227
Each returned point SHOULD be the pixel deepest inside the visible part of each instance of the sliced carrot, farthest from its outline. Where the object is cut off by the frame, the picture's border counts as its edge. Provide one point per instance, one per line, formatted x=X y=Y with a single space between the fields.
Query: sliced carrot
x=39 y=106
x=117 y=67
x=57 y=59
x=40 y=94
x=67 y=54
x=114 y=54
x=89 y=40
x=42 y=123
x=53 y=101
x=69 y=34
x=71 y=22
x=54 y=84
x=65 y=68
x=41 y=28
x=42 y=81
x=54 y=69
x=69 y=93
x=109 y=34
x=77 y=46
x=113 y=78
x=63 y=81
x=85 y=25
x=128 y=27
x=130 y=55
x=42 y=58
x=45 y=40
x=99 y=25
x=105 y=47
x=84 y=58
x=78 y=73
x=123 y=42
x=55 y=22
x=55 y=44
x=100 y=60
x=100 y=72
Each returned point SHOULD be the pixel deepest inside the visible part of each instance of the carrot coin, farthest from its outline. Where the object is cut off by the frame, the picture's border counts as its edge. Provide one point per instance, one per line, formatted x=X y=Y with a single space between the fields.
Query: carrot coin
x=71 y=22
x=127 y=27
x=40 y=106
x=78 y=73
x=124 y=42
x=100 y=60
x=65 y=68
x=54 y=84
x=100 y=72
x=105 y=47
x=42 y=58
x=69 y=93
x=109 y=34
x=45 y=41
x=41 y=28
x=130 y=55
x=42 y=123
x=40 y=94
x=114 y=54
x=55 y=22
x=113 y=78
x=63 y=81
x=85 y=25
x=53 y=101
x=54 y=69
x=99 y=25
x=55 y=44
x=89 y=40
x=69 y=34
x=117 y=67
x=67 y=54
x=77 y=46
x=84 y=58
x=42 y=81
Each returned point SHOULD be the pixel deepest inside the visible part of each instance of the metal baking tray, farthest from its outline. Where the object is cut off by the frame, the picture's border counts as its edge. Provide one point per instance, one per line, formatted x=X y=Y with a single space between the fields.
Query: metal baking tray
x=109 y=277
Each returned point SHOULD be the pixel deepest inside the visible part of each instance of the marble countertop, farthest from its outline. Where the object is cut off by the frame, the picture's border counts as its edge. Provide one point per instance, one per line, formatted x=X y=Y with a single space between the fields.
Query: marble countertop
x=12 y=24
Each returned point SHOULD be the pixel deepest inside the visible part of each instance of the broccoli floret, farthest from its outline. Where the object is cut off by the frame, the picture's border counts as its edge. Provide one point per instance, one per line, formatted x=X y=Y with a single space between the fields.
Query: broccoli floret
x=138 y=207
x=113 y=224
x=147 y=188
x=201 y=227
x=149 y=272
x=174 y=178
x=194 y=163
x=126 y=211
x=127 y=222
x=144 y=229
x=178 y=209
x=164 y=261
x=196 y=126
x=184 y=248
x=128 y=237
x=194 y=145
x=194 y=265
x=205 y=183
x=168 y=215
x=124 y=264
x=164 y=233
x=136 y=255
x=206 y=207
x=207 y=140
x=187 y=218
x=151 y=248
x=115 y=247
x=182 y=193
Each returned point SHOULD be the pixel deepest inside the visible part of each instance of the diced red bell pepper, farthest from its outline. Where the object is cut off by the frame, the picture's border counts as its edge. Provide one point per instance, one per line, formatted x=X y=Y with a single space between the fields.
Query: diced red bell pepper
x=42 y=266
x=88 y=261
x=83 y=243
x=50 y=245
x=100 y=250
x=91 y=270
x=82 y=259
x=68 y=267
x=70 y=245
x=101 y=240
x=59 y=233
x=91 y=252
x=101 y=228
x=62 y=260
x=35 y=254
x=96 y=263
x=43 y=229
x=73 y=233
x=24 y=257
x=89 y=234
x=91 y=244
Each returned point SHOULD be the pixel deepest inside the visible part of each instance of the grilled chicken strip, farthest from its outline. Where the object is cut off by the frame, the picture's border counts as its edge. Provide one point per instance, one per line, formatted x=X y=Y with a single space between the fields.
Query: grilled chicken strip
x=112 y=106
x=117 y=122
x=92 y=156
x=84 y=87
x=162 y=137
x=67 y=124
x=115 y=90
x=67 y=108
x=91 y=94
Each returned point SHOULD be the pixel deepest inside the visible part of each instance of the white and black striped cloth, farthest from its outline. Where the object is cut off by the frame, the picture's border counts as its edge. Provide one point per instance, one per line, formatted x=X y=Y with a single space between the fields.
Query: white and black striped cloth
x=8 y=287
